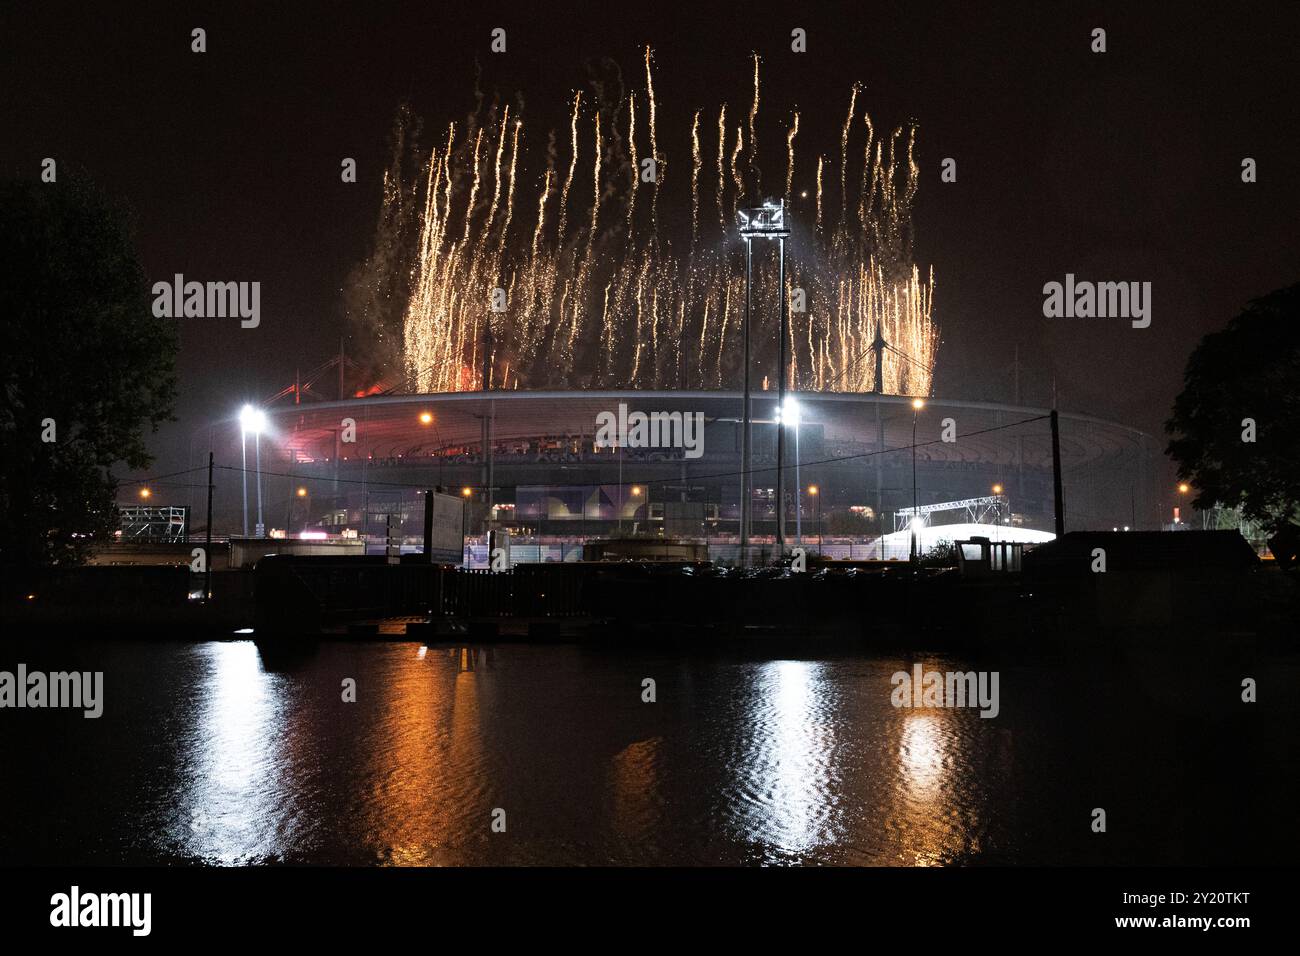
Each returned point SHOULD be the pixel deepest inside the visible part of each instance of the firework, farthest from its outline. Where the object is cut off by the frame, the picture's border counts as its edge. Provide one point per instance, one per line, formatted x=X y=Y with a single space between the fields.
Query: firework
x=601 y=301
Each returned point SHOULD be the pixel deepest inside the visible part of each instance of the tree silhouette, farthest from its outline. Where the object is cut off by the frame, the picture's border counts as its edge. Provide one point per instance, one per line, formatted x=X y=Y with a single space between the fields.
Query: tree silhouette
x=1246 y=375
x=86 y=363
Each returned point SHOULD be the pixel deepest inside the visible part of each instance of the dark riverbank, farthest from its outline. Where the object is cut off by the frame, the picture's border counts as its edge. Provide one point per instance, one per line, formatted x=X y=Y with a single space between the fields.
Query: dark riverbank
x=874 y=604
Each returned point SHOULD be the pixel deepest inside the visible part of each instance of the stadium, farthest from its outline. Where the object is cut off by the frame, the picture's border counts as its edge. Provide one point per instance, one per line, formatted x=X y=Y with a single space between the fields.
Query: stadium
x=532 y=463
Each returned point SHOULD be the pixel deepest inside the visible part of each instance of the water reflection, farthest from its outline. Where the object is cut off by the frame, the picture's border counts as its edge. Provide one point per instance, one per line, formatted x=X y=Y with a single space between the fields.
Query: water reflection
x=637 y=803
x=242 y=758
x=921 y=757
x=425 y=770
x=231 y=807
x=935 y=806
x=787 y=778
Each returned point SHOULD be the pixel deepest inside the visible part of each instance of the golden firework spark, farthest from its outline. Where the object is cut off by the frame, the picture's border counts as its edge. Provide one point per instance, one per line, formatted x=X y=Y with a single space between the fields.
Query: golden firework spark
x=624 y=308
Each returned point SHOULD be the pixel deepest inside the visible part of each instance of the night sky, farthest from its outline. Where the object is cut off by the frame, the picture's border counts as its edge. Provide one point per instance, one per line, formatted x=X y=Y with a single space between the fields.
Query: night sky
x=1122 y=167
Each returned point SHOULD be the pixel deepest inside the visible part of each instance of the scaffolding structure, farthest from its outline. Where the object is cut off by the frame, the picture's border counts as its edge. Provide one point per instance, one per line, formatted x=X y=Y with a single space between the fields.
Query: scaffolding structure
x=153 y=523
x=978 y=511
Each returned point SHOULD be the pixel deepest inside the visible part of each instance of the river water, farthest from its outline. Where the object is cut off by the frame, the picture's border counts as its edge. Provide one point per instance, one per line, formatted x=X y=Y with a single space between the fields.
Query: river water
x=223 y=753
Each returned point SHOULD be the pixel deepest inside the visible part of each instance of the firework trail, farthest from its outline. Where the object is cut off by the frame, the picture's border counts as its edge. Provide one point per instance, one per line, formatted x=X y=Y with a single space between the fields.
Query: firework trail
x=753 y=135
x=629 y=307
x=695 y=180
x=722 y=148
x=789 y=166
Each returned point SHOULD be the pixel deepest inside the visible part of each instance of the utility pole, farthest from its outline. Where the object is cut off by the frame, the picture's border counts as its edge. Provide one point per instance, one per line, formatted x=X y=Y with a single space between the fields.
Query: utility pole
x=428 y=525
x=1057 y=495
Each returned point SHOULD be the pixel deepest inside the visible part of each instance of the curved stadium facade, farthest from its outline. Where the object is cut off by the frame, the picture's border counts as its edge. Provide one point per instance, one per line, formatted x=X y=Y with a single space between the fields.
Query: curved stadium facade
x=532 y=462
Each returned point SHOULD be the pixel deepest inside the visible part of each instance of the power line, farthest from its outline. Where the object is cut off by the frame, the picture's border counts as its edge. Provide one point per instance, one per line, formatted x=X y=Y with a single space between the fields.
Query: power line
x=159 y=478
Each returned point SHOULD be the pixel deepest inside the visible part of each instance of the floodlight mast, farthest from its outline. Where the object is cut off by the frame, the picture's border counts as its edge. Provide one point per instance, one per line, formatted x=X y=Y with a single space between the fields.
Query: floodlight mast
x=764 y=222
x=746 y=494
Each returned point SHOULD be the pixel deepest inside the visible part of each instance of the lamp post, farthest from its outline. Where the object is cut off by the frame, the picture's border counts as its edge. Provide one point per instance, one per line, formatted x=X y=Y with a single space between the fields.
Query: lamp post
x=252 y=420
x=243 y=469
x=816 y=496
x=789 y=414
x=464 y=526
x=260 y=530
x=917 y=405
x=764 y=222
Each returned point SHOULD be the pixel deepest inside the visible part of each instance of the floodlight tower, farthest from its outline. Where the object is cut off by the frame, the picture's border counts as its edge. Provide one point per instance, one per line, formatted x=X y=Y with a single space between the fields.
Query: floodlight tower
x=764 y=222
x=252 y=420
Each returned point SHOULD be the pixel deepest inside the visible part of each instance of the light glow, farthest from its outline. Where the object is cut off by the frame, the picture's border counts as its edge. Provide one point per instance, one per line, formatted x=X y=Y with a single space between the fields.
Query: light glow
x=252 y=420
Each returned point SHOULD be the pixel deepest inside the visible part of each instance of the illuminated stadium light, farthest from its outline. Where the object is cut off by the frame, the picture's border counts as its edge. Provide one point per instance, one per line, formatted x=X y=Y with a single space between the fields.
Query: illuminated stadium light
x=764 y=222
x=790 y=413
x=252 y=420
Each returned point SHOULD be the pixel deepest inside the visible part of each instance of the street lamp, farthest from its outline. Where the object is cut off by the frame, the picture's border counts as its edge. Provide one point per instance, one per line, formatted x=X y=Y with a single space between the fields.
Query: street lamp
x=252 y=420
x=816 y=496
x=917 y=405
x=620 y=487
x=426 y=419
x=145 y=492
x=764 y=222
x=464 y=526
